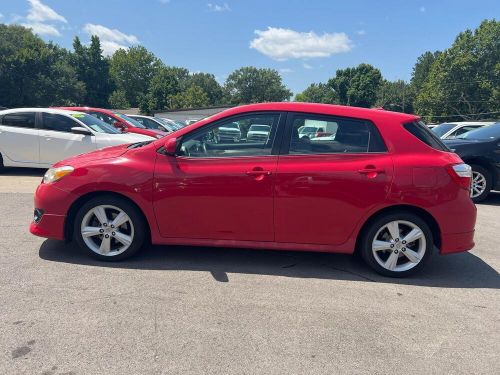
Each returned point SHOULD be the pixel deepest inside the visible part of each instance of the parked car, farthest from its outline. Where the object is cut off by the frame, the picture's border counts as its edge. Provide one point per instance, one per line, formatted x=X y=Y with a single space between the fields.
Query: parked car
x=450 y=130
x=317 y=128
x=119 y=121
x=175 y=124
x=39 y=137
x=230 y=132
x=386 y=187
x=153 y=123
x=258 y=133
x=480 y=149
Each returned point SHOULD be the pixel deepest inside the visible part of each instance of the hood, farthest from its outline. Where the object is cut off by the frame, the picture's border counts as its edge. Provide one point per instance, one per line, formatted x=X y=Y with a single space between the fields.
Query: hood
x=117 y=139
x=103 y=153
x=150 y=132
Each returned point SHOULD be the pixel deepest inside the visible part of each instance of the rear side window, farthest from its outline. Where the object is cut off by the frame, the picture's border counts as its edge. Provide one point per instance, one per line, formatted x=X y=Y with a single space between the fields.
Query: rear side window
x=422 y=132
x=318 y=134
x=19 y=120
x=60 y=123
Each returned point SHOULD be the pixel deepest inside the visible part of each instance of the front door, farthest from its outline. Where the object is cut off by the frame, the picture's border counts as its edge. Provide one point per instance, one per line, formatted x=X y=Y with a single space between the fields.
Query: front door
x=325 y=183
x=217 y=189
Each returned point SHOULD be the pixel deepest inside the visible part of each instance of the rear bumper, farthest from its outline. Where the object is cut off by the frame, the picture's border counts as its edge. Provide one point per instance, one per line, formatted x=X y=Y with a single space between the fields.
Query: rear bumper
x=457 y=242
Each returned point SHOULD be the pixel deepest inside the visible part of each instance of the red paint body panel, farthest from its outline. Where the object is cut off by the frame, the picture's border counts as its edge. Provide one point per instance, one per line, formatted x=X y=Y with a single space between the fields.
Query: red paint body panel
x=128 y=128
x=214 y=201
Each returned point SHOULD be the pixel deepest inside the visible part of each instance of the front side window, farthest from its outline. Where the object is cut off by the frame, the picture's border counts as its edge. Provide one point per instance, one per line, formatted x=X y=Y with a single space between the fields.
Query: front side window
x=19 y=120
x=315 y=134
x=56 y=122
x=229 y=138
x=95 y=124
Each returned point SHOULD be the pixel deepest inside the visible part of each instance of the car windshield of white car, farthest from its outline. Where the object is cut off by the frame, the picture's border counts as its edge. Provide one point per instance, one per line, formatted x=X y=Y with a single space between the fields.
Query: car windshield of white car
x=95 y=124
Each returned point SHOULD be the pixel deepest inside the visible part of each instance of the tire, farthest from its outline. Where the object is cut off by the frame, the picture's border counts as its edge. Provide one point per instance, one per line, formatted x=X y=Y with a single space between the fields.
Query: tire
x=122 y=240
x=394 y=257
x=481 y=182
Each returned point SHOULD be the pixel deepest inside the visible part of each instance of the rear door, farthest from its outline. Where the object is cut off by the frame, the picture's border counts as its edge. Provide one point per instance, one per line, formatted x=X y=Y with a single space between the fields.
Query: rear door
x=57 y=142
x=19 y=137
x=325 y=184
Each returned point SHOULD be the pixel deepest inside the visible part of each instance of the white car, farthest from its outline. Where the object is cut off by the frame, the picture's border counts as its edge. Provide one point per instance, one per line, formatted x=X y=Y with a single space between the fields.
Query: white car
x=258 y=133
x=451 y=130
x=39 y=137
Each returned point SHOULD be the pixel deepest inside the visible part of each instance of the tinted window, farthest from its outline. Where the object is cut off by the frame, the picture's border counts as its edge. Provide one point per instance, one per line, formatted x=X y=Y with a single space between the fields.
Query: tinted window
x=60 y=123
x=313 y=134
x=484 y=133
x=95 y=124
x=422 y=132
x=462 y=130
x=129 y=120
x=103 y=117
x=229 y=138
x=442 y=129
x=20 y=120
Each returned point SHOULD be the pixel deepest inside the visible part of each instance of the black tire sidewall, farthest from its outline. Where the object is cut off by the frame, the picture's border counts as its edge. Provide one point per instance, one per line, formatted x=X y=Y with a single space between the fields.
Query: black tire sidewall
x=372 y=229
x=487 y=175
x=132 y=211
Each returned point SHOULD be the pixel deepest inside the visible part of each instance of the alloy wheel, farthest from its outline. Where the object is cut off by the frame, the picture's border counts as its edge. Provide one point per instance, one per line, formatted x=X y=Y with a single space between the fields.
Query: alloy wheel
x=399 y=246
x=478 y=184
x=107 y=230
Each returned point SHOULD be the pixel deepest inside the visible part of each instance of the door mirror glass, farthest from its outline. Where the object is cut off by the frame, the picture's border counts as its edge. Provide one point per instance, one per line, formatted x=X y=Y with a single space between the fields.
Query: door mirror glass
x=171 y=146
x=80 y=130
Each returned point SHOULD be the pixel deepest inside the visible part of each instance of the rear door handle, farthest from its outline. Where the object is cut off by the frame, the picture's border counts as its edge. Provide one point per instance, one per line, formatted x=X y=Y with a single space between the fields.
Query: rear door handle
x=258 y=173
x=371 y=170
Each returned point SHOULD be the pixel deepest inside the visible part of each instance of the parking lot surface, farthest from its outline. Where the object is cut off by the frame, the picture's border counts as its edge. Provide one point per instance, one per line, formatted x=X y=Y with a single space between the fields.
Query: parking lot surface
x=187 y=310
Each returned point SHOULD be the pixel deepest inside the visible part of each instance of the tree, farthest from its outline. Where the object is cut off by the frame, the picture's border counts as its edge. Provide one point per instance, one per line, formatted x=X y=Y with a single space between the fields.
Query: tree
x=192 y=97
x=132 y=71
x=464 y=81
x=357 y=86
x=35 y=73
x=253 y=85
x=93 y=70
x=208 y=84
x=422 y=68
x=396 y=96
x=118 y=99
x=318 y=93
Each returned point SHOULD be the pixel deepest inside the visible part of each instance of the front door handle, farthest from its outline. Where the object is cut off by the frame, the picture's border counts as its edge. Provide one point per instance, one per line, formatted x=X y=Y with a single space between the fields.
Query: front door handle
x=259 y=173
x=371 y=170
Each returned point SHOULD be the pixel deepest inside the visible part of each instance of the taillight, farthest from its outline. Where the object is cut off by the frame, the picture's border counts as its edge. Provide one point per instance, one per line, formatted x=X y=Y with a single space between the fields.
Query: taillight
x=461 y=174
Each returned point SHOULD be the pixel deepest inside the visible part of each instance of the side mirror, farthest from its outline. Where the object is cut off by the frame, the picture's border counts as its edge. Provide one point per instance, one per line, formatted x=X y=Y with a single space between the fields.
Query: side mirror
x=119 y=126
x=171 y=146
x=81 y=130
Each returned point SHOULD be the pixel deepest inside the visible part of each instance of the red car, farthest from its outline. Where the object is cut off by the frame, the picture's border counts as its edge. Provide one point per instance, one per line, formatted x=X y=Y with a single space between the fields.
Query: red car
x=384 y=186
x=119 y=121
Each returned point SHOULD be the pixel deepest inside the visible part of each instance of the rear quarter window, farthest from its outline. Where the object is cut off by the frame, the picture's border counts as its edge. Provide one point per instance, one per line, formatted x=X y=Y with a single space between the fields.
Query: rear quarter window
x=424 y=134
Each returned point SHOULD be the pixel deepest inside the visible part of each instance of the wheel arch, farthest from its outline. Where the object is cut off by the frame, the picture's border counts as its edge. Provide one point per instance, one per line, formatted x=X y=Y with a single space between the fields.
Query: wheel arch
x=425 y=215
x=75 y=206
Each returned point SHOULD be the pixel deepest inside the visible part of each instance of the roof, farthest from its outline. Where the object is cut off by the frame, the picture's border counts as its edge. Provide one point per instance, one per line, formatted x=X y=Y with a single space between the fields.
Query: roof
x=87 y=109
x=48 y=110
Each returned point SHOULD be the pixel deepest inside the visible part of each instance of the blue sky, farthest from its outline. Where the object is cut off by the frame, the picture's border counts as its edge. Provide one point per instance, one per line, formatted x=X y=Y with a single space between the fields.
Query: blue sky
x=306 y=40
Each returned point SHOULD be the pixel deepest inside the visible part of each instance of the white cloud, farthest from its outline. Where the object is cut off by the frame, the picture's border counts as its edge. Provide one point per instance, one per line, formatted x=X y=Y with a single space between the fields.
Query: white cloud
x=1 y=15
x=38 y=15
x=164 y=1
x=307 y=66
x=286 y=70
x=40 y=12
x=42 y=28
x=218 y=8
x=111 y=39
x=361 y=32
x=422 y=9
x=283 y=44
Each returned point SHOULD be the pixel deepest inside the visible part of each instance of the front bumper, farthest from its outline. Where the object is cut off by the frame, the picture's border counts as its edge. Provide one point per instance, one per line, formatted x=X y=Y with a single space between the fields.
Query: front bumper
x=50 y=226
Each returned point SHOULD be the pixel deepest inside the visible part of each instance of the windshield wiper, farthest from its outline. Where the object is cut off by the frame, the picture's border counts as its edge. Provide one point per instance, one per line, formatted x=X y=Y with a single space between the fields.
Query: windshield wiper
x=139 y=144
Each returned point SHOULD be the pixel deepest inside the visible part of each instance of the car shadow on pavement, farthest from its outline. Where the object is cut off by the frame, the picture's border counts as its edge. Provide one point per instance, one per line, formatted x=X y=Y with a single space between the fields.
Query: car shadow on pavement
x=464 y=270
x=24 y=172
x=493 y=199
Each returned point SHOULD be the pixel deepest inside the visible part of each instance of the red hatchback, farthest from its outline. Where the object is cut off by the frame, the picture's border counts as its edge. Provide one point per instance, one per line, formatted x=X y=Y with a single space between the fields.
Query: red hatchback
x=119 y=121
x=382 y=185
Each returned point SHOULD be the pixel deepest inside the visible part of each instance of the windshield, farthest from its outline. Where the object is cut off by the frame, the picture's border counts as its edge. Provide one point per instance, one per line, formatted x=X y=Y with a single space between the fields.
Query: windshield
x=169 y=125
x=231 y=125
x=129 y=120
x=485 y=133
x=260 y=128
x=442 y=129
x=95 y=124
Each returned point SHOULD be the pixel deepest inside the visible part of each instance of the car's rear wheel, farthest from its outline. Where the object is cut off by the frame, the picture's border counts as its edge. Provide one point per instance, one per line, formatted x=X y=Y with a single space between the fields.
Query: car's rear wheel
x=481 y=183
x=397 y=244
x=109 y=228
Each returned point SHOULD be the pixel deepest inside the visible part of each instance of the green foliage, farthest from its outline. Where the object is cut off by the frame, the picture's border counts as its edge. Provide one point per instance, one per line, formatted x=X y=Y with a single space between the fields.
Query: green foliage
x=318 y=93
x=357 y=86
x=253 y=85
x=93 y=70
x=208 y=84
x=422 y=68
x=464 y=81
x=132 y=71
x=35 y=73
x=118 y=100
x=165 y=82
x=192 y=97
x=396 y=96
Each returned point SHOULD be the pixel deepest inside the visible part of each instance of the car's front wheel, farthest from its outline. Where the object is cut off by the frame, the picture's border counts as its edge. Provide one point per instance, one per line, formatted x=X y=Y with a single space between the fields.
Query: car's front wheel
x=397 y=244
x=109 y=228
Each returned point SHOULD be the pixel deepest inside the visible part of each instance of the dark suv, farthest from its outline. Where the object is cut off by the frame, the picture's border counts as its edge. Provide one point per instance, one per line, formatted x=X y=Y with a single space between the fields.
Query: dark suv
x=480 y=149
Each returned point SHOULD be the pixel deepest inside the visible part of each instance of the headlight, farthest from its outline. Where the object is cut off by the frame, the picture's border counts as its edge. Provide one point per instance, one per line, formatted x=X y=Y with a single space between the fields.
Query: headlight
x=55 y=174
